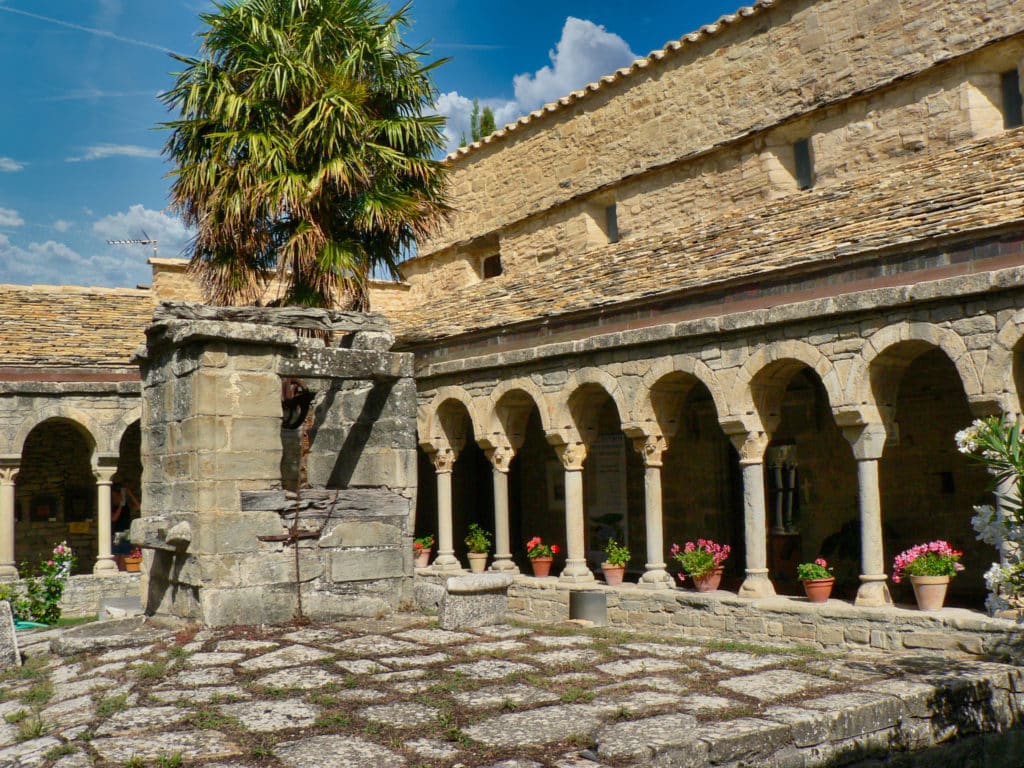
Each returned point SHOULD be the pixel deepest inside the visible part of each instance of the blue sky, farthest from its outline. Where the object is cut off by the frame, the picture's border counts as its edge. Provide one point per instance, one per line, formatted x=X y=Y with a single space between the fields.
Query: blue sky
x=80 y=155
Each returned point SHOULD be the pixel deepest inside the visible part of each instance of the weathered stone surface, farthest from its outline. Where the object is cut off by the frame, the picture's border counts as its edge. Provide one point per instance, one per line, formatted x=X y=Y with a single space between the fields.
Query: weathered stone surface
x=463 y=609
x=202 y=676
x=366 y=565
x=434 y=636
x=245 y=646
x=432 y=748
x=491 y=669
x=400 y=715
x=336 y=752
x=746 y=661
x=373 y=645
x=628 y=667
x=301 y=678
x=28 y=754
x=191 y=745
x=9 y=654
x=642 y=739
x=291 y=656
x=775 y=684
x=141 y=719
x=202 y=695
x=537 y=726
x=503 y=695
x=214 y=658
x=107 y=634
x=269 y=716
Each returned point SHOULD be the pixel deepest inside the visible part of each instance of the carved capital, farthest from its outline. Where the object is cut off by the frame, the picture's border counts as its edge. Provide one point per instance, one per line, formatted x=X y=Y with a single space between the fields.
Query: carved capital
x=572 y=455
x=750 y=446
x=500 y=457
x=103 y=475
x=7 y=475
x=444 y=461
x=651 y=447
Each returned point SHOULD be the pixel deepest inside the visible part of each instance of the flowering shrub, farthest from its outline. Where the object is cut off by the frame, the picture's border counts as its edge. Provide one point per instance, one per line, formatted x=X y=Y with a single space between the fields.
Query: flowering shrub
x=819 y=569
x=615 y=554
x=137 y=552
x=537 y=548
x=700 y=558
x=478 y=541
x=40 y=598
x=936 y=558
x=423 y=542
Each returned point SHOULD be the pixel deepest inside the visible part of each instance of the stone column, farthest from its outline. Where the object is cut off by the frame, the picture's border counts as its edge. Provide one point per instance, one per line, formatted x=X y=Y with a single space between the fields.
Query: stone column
x=105 y=564
x=651 y=448
x=8 y=570
x=868 y=441
x=500 y=459
x=751 y=447
x=576 y=571
x=444 y=462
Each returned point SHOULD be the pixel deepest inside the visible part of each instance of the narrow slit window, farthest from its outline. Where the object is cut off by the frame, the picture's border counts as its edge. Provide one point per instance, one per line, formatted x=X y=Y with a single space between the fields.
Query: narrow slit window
x=492 y=266
x=611 y=221
x=1013 y=109
x=802 y=162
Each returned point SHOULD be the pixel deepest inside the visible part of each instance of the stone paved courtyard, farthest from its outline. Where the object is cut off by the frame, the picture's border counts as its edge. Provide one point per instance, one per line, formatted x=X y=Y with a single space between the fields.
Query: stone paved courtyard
x=378 y=694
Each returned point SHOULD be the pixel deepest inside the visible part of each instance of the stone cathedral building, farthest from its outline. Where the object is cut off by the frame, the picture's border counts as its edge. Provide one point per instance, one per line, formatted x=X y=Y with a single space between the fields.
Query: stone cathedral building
x=746 y=289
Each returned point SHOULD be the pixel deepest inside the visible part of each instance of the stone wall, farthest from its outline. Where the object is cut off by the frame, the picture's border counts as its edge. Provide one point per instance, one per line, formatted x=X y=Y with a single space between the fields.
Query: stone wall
x=213 y=431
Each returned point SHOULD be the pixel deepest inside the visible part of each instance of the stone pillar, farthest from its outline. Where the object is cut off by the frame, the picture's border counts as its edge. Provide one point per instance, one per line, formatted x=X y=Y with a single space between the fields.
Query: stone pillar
x=500 y=459
x=868 y=441
x=651 y=448
x=444 y=463
x=576 y=571
x=8 y=570
x=751 y=447
x=105 y=564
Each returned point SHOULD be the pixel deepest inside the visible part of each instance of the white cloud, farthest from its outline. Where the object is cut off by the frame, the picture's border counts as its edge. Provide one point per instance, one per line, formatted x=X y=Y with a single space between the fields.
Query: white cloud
x=170 y=231
x=103 y=151
x=61 y=225
x=10 y=218
x=10 y=165
x=585 y=52
x=55 y=263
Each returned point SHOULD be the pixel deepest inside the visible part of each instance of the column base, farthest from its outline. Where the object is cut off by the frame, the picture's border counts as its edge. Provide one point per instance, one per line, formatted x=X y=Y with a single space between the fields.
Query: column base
x=446 y=563
x=656 y=577
x=504 y=564
x=757 y=584
x=9 y=572
x=576 y=572
x=873 y=591
x=105 y=566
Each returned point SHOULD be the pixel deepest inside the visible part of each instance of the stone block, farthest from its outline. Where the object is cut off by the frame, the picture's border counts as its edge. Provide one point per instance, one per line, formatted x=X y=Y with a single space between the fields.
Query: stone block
x=936 y=641
x=361 y=533
x=9 y=655
x=366 y=565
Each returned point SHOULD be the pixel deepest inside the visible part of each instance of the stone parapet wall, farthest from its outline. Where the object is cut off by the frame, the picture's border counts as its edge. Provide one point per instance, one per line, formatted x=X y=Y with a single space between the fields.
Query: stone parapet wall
x=832 y=626
x=651 y=118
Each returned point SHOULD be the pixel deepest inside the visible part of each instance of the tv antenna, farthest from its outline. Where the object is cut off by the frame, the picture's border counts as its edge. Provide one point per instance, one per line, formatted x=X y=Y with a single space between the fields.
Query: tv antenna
x=144 y=240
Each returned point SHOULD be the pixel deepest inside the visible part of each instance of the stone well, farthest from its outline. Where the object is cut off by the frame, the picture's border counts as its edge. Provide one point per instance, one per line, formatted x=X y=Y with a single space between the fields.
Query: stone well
x=221 y=465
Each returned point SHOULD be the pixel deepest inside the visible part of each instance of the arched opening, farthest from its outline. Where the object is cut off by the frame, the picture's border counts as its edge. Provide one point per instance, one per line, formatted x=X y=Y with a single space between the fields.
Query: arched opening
x=126 y=488
x=702 y=488
x=928 y=488
x=810 y=479
x=55 y=496
x=536 y=487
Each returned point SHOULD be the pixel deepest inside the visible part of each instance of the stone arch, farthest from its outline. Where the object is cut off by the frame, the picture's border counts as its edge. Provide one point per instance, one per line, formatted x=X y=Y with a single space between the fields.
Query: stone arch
x=891 y=350
x=82 y=421
x=122 y=426
x=665 y=386
x=1004 y=371
x=585 y=386
x=762 y=380
x=438 y=423
x=509 y=408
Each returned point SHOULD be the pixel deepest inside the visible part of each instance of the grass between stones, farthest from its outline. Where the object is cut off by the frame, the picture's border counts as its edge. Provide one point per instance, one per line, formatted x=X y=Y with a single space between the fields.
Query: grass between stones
x=109 y=705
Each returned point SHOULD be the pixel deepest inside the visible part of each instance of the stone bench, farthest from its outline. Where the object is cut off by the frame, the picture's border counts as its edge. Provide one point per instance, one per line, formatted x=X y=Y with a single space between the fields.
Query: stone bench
x=475 y=600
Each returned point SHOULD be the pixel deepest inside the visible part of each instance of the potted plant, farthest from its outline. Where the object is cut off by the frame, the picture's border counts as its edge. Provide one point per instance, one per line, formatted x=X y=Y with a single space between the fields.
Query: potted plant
x=614 y=566
x=702 y=561
x=540 y=555
x=421 y=550
x=817 y=578
x=478 y=541
x=930 y=567
x=133 y=560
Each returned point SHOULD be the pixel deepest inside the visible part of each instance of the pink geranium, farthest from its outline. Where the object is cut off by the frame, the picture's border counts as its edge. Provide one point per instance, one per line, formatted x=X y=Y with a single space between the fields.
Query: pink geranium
x=936 y=558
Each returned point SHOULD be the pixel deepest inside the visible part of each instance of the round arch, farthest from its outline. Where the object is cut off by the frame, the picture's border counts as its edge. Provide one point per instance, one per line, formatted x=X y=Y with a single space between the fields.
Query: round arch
x=434 y=422
x=580 y=388
x=666 y=385
x=85 y=424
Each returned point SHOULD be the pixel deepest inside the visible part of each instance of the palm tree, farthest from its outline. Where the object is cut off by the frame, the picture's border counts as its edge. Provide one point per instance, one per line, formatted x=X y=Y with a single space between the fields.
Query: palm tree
x=302 y=149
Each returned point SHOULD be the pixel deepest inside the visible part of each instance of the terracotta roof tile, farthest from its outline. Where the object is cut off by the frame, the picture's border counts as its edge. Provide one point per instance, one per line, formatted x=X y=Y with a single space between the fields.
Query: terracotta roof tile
x=977 y=187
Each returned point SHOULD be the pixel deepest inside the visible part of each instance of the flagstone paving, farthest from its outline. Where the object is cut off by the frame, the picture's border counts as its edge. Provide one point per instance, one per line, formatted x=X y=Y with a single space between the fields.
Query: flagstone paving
x=402 y=692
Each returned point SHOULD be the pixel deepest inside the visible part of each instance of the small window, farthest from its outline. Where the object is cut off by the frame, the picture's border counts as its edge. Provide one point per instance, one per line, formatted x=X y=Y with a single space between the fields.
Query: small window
x=1012 y=104
x=491 y=266
x=611 y=223
x=802 y=163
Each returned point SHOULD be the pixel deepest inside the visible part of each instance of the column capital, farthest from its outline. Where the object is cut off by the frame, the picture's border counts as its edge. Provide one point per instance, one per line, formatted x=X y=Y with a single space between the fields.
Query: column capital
x=104 y=475
x=572 y=456
x=867 y=440
x=444 y=460
x=500 y=457
x=7 y=474
x=750 y=445
x=650 y=448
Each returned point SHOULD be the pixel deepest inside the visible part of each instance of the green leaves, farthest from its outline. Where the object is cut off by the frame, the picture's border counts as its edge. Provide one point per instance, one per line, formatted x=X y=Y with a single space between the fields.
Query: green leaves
x=302 y=148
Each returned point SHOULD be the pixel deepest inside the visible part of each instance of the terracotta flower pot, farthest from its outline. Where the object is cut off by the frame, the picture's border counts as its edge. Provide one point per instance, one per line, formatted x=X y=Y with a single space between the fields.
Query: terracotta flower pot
x=709 y=581
x=930 y=591
x=132 y=564
x=541 y=565
x=477 y=562
x=818 y=590
x=422 y=557
x=613 y=574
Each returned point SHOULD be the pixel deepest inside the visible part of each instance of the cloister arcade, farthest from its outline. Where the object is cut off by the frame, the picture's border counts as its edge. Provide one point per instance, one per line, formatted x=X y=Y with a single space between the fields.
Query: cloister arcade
x=788 y=455
x=56 y=475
